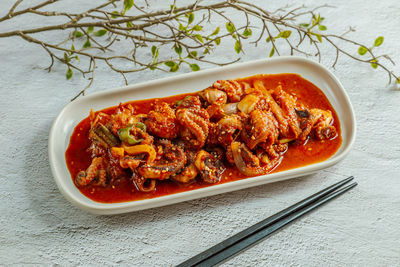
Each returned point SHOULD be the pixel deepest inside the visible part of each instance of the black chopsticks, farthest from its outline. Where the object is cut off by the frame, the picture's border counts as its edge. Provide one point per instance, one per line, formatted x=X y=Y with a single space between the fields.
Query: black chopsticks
x=264 y=228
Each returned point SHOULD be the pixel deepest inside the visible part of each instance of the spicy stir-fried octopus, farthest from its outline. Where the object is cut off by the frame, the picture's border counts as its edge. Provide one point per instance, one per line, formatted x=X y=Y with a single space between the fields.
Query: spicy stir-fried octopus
x=230 y=123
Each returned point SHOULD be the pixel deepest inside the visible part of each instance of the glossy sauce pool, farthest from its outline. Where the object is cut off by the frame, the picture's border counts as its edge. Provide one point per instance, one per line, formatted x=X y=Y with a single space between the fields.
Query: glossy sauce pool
x=78 y=157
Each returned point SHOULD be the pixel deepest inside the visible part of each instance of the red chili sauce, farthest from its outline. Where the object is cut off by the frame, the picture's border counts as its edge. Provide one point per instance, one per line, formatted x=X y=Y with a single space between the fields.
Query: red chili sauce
x=78 y=156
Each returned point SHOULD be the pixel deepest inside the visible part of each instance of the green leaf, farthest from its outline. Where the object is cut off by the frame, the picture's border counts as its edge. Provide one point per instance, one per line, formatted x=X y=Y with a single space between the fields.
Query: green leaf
x=304 y=25
x=190 y=18
x=174 y=68
x=230 y=27
x=192 y=54
x=87 y=44
x=197 y=28
x=181 y=27
x=66 y=58
x=238 y=47
x=77 y=58
x=100 y=32
x=398 y=80
x=362 y=50
x=178 y=49
x=194 y=67
x=170 y=64
x=378 y=41
x=217 y=41
x=373 y=63
x=90 y=29
x=285 y=34
x=128 y=4
x=72 y=47
x=156 y=54
x=77 y=34
x=247 y=32
x=152 y=67
x=206 y=51
x=272 y=52
x=173 y=7
x=268 y=39
x=129 y=24
x=322 y=27
x=69 y=73
x=199 y=37
x=318 y=37
x=215 y=32
x=114 y=14
x=153 y=50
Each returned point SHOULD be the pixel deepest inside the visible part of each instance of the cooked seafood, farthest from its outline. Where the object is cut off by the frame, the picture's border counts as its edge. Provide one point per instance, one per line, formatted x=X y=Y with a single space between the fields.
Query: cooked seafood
x=244 y=126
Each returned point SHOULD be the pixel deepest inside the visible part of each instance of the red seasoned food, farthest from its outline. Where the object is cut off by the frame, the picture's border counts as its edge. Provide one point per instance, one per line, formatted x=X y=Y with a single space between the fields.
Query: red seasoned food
x=232 y=130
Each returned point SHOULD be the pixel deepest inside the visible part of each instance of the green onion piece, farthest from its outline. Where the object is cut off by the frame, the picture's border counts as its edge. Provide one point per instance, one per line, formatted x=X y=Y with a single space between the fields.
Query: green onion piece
x=125 y=136
x=141 y=126
x=123 y=133
x=179 y=102
x=113 y=141
x=132 y=141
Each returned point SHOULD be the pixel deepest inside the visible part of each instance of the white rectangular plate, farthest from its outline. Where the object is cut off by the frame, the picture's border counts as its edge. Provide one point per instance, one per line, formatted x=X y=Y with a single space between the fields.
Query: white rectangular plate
x=77 y=110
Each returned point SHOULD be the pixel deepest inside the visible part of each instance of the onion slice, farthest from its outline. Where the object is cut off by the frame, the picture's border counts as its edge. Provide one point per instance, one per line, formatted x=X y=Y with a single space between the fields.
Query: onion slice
x=230 y=108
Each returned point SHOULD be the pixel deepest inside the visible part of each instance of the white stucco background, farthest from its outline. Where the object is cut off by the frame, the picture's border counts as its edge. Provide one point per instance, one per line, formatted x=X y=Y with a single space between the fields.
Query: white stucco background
x=361 y=228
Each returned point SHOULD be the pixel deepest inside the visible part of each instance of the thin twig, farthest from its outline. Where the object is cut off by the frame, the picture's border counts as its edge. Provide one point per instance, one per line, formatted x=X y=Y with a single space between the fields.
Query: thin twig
x=147 y=33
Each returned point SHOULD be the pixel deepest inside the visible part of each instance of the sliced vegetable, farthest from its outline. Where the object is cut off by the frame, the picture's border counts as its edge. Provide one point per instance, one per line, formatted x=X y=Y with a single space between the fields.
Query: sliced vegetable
x=211 y=95
x=117 y=152
x=139 y=149
x=103 y=135
x=285 y=140
x=140 y=125
x=248 y=103
x=230 y=108
x=125 y=136
x=239 y=151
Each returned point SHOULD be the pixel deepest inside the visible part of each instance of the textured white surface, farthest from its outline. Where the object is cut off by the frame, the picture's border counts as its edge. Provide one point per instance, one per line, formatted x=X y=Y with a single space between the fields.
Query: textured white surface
x=361 y=228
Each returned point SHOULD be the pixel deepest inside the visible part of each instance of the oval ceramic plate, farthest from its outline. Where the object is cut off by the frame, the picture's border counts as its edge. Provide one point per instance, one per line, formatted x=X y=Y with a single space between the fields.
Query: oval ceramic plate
x=77 y=110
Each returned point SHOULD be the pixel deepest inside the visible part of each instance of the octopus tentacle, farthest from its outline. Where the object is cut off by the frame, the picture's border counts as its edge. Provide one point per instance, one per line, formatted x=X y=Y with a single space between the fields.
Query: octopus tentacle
x=102 y=178
x=232 y=88
x=95 y=170
x=162 y=121
x=248 y=163
x=129 y=162
x=319 y=120
x=264 y=128
x=196 y=121
x=143 y=184
x=201 y=122
x=188 y=174
x=174 y=160
x=222 y=133
x=210 y=168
